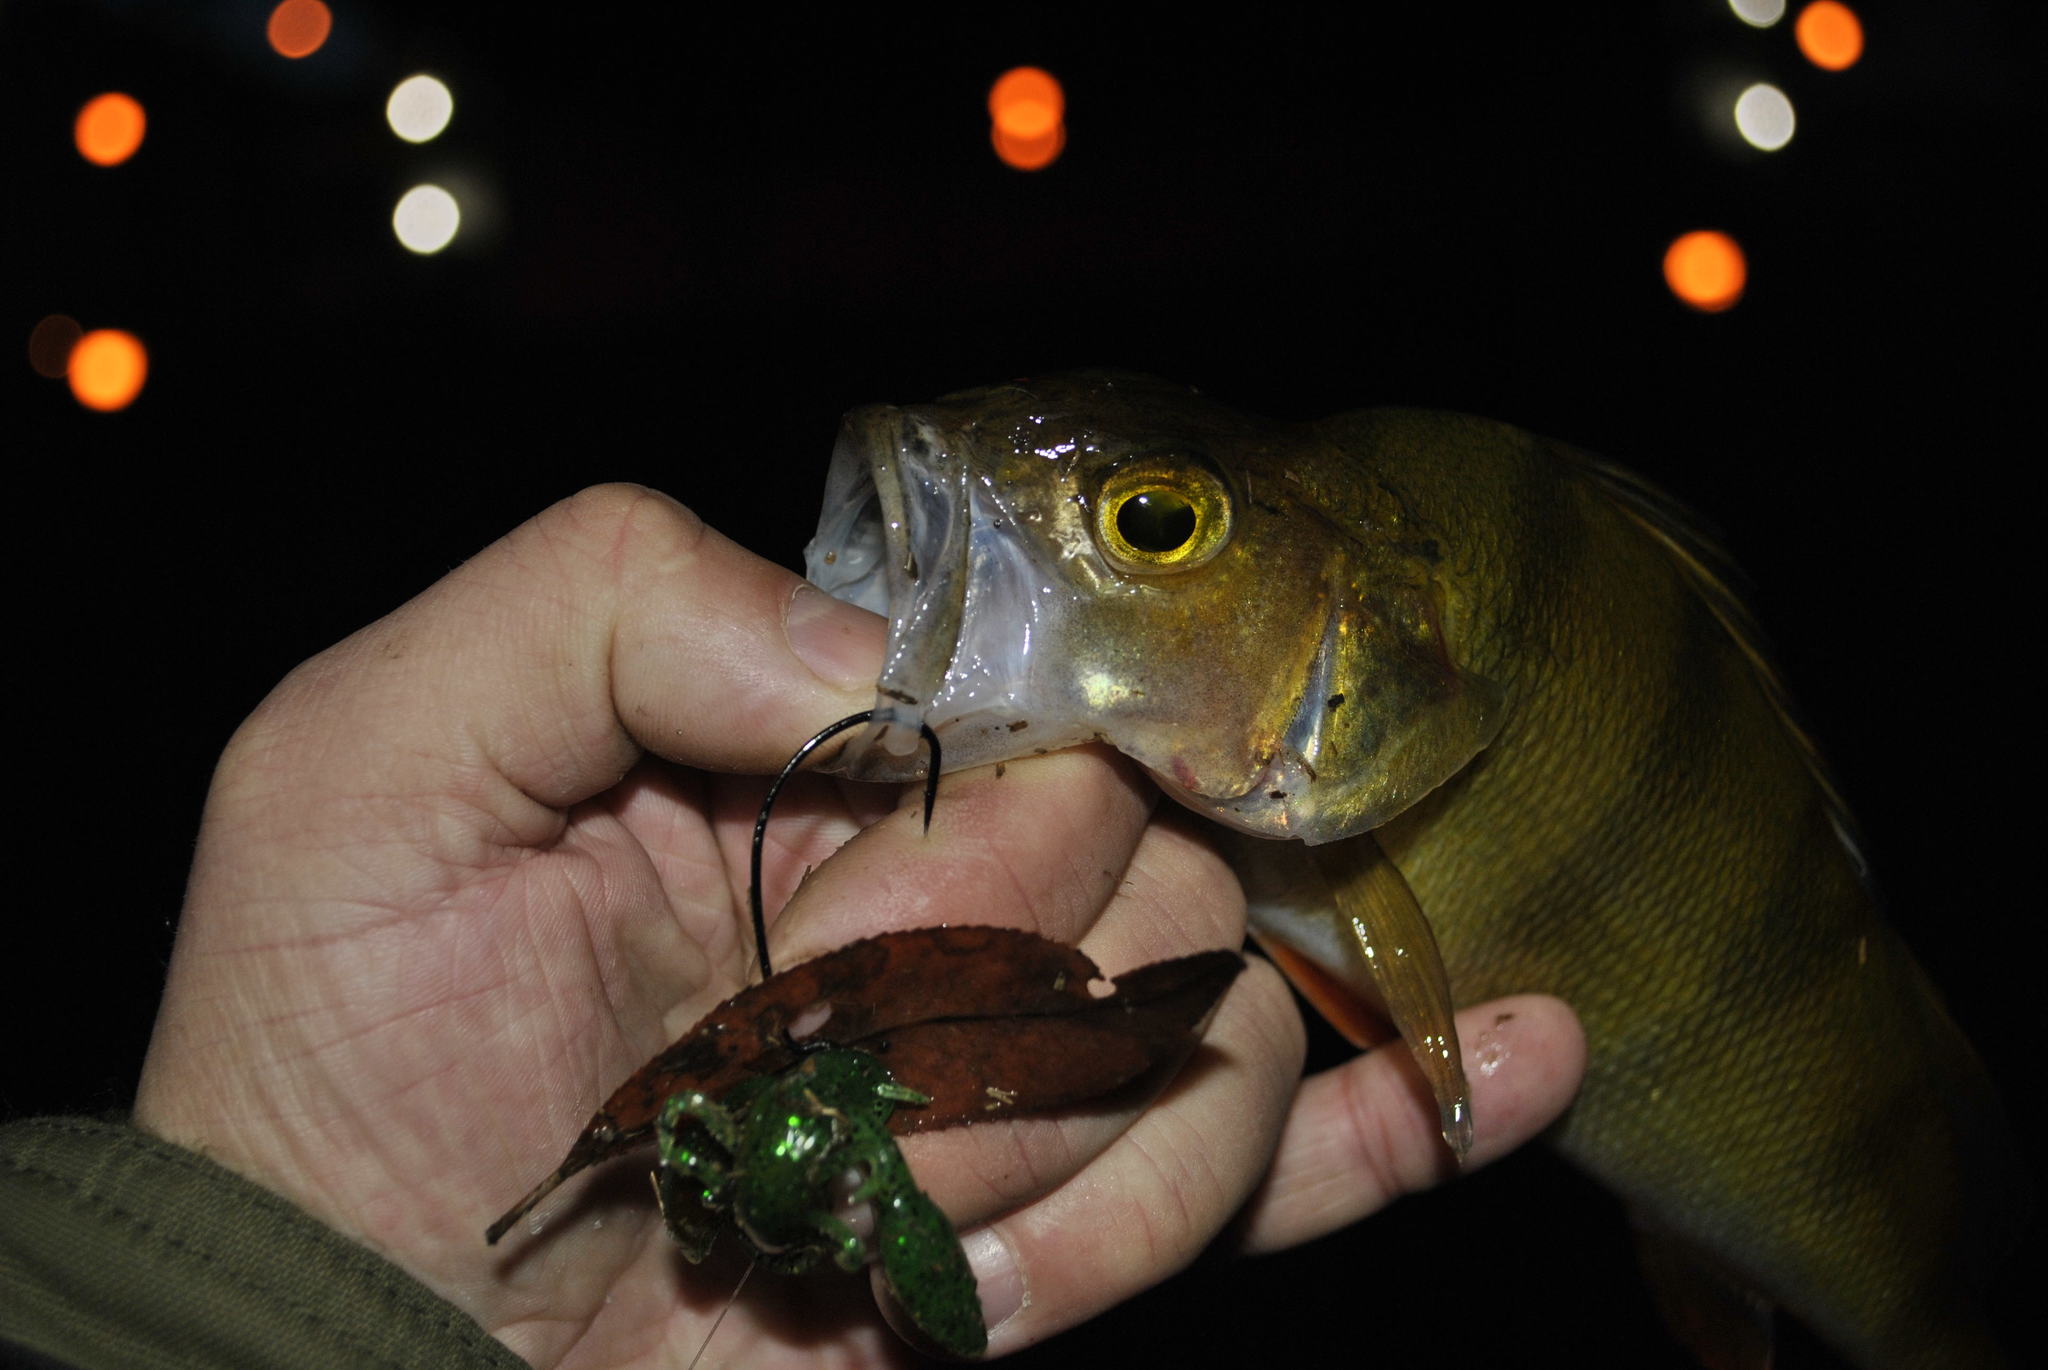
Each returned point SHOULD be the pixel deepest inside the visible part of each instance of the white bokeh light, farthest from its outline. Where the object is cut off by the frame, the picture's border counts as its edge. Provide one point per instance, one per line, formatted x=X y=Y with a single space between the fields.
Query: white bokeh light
x=419 y=108
x=1759 y=14
x=426 y=219
x=1763 y=115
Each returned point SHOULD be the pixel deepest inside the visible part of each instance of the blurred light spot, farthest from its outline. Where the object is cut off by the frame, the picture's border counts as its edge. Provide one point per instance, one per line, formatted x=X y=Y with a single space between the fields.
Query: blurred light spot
x=1029 y=154
x=107 y=369
x=1829 y=34
x=50 y=343
x=1705 y=269
x=419 y=109
x=109 y=129
x=297 y=28
x=1028 y=108
x=426 y=219
x=1026 y=102
x=1764 y=117
x=1758 y=14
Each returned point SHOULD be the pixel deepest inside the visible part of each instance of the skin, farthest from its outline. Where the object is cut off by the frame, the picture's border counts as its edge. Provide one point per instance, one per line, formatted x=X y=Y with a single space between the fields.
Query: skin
x=462 y=873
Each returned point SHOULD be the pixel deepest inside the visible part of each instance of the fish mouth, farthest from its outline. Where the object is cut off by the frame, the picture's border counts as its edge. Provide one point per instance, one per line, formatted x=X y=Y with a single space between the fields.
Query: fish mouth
x=892 y=538
x=904 y=532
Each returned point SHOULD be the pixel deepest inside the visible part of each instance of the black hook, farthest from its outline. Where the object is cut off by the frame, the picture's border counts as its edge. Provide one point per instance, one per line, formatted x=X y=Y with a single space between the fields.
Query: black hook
x=931 y=794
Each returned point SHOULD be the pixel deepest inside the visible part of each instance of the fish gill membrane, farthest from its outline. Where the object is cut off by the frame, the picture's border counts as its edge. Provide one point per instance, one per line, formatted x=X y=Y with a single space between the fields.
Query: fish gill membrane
x=1528 y=740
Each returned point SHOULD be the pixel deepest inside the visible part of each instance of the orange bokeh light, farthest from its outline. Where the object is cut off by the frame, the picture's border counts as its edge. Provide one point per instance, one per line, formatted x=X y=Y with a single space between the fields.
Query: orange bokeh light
x=1705 y=268
x=1027 y=107
x=1026 y=102
x=1829 y=34
x=107 y=369
x=297 y=28
x=109 y=128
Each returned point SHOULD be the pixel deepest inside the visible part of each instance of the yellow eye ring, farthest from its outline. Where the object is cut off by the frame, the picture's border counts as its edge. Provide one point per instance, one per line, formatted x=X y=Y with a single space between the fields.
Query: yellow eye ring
x=1158 y=517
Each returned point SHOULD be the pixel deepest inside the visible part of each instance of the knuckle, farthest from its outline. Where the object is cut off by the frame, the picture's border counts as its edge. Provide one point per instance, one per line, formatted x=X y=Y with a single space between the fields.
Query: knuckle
x=623 y=523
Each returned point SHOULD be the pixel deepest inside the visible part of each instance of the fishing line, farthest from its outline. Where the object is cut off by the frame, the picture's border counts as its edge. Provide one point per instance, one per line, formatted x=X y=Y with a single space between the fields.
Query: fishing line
x=719 y=1321
x=931 y=794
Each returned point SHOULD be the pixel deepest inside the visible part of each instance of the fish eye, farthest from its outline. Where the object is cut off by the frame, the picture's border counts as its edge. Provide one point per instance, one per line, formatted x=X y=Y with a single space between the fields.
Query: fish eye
x=1162 y=516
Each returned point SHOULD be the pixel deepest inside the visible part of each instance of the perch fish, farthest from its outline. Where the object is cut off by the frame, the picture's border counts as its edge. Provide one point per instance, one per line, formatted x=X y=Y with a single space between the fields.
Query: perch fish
x=1522 y=738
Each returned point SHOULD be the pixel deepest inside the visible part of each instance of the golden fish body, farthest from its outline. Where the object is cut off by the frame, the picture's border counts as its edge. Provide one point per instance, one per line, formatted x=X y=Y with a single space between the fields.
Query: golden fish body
x=1490 y=680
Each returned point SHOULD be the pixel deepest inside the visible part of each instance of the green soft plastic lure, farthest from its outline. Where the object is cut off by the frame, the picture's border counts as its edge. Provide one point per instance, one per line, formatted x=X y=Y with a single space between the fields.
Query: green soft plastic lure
x=803 y=1165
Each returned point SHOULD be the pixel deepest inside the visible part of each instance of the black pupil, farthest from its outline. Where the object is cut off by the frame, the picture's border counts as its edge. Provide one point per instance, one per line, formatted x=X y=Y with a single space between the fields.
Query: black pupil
x=1156 y=521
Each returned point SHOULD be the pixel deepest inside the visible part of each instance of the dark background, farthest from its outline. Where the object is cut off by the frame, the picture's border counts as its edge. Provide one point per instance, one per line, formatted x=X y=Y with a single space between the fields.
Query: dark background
x=691 y=242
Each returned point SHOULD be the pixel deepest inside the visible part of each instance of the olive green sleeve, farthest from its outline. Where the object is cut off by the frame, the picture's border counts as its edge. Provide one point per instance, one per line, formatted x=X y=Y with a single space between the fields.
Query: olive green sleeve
x=119 y=1249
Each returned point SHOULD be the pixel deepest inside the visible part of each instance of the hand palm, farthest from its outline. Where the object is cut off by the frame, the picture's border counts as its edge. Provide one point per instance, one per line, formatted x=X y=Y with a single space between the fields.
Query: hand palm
x=424 y=938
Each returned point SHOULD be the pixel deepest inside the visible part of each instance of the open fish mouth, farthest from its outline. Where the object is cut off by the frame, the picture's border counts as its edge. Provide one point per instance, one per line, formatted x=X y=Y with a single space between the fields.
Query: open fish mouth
x=892 y=538
x=906 y=534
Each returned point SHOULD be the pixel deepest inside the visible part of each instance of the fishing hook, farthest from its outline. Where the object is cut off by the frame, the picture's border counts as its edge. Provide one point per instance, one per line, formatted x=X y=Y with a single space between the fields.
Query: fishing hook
x=931 y=794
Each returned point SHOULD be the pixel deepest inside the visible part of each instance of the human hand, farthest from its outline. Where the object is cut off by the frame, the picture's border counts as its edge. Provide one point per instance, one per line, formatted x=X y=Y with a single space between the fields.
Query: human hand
x=443 y=903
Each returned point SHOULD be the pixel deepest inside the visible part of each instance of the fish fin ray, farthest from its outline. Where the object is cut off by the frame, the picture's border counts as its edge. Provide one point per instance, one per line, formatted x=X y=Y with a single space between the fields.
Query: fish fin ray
x=1398 y=949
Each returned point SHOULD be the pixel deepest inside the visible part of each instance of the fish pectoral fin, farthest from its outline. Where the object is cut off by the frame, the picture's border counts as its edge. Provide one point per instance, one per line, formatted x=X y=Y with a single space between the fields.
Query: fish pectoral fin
x=1386 y=929
x=1725 y=1323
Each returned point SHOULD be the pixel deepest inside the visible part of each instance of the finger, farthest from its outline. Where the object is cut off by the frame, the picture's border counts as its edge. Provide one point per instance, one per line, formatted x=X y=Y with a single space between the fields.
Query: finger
x=974 y=1172
x=1177 y=896
x=1148 y=1205
x=615 y=620
x=1365 y=1133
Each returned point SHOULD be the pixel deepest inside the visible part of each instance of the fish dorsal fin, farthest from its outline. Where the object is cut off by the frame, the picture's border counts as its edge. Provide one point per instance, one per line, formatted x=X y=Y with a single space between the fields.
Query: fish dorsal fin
x=1712 y=574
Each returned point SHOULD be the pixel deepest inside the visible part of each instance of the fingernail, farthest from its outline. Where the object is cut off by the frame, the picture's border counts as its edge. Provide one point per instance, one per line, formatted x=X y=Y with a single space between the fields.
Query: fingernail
x=996 y=1277
x=840 y=643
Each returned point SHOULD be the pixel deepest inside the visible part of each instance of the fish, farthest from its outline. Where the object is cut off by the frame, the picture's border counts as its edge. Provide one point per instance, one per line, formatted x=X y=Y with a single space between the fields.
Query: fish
x=1477 y=714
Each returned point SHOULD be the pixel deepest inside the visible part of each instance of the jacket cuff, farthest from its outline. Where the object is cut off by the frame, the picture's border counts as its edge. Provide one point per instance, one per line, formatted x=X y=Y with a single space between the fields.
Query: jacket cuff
x=120 y=1249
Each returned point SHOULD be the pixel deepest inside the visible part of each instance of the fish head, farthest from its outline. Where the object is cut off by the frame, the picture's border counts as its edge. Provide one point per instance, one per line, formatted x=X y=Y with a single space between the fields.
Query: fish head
x=1105 y=556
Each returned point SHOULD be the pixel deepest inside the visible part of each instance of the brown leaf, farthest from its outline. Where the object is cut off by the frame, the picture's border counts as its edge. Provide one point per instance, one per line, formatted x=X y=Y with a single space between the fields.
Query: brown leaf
x=988 y=1021
x=998 y=1064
